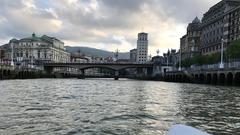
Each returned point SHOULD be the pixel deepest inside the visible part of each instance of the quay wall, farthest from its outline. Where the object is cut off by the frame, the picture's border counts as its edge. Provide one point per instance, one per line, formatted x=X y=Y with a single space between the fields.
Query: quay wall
x=214 y=77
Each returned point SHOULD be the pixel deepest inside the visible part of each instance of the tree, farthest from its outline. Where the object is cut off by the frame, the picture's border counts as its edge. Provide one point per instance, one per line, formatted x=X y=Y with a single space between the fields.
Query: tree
x=233 y=51
x=200 y=60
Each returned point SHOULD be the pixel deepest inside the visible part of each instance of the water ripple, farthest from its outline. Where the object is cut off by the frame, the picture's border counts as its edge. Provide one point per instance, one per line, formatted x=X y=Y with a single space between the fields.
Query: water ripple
x=72 y=106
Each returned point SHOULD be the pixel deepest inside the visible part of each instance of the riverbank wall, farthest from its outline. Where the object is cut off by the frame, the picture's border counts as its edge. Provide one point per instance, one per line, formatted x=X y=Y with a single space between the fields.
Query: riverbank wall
x=210 y=77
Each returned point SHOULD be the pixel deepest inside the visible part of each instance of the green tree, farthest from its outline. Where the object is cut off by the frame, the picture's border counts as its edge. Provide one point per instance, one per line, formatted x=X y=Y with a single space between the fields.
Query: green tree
x=200 y=60
x=233 y=51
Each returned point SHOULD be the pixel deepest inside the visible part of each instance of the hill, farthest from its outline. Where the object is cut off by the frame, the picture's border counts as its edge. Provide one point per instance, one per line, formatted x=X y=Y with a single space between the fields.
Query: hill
x=96 y=52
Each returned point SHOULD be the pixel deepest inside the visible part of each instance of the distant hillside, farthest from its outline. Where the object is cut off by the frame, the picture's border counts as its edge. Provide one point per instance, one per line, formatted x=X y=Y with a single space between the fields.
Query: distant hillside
x=96 y=52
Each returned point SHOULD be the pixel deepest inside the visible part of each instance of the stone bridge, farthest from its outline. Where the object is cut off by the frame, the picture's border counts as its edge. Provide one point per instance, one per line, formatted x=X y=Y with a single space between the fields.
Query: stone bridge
x=48 y=67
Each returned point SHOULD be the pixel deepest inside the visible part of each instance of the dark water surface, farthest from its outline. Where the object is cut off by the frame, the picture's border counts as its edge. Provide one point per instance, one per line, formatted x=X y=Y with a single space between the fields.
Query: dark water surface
x=72 y=106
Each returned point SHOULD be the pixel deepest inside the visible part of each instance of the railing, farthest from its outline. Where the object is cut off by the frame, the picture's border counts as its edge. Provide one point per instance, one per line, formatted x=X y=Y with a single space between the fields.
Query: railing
x=229 y=65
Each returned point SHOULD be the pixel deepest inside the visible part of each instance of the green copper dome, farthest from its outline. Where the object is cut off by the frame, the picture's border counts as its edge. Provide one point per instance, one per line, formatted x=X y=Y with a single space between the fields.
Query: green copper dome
x=14 y=40
x=32 y=38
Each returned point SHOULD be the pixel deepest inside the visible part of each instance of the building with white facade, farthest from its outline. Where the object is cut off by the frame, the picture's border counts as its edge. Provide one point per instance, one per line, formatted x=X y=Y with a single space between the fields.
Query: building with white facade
x=142 y=47
x=35 y=50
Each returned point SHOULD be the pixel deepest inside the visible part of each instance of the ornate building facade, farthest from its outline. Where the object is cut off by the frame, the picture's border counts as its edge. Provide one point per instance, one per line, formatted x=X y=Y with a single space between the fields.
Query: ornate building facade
x=171 y=57
x=220 y=22
x=35 y=50
x=190 y=43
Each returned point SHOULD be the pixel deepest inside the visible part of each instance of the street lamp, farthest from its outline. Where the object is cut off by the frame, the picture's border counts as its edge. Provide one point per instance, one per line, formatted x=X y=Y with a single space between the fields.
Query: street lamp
x=32 y=57
x=116 y=55
x=0 y=56
x=180 y=60
x=222 y=64
x=158 y=51
x=12 y=63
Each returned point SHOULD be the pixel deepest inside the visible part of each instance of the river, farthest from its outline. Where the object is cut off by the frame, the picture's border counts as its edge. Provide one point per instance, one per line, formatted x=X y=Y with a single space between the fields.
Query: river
x=105 y=106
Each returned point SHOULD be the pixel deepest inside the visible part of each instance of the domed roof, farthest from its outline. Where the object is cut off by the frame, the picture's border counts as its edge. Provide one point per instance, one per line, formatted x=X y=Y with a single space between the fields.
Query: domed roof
x=196 y=20
x=195 y=25
x=33 y=38
x=14 y=40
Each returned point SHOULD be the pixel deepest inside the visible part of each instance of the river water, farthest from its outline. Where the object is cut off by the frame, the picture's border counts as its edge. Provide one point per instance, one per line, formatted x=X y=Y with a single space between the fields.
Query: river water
x=105 y=106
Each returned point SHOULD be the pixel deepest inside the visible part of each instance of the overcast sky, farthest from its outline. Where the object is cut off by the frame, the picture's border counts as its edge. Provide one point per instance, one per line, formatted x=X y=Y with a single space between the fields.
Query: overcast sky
x=103 y=24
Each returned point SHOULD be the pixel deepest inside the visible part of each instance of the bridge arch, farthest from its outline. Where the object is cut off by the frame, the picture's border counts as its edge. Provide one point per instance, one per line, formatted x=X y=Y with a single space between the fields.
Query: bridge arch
x=4 y=73
x=215 y=79
x=9 y=73
x=230 y=78
x=1 y=74
x=209 y=79
x=196 y=77
x=20 y=75
x=112 y=72
x=202 y=78
x=171 y=78
x=179 y=78
x=222 y=79
x=99 y=67
x=237 y=79
x=184 y=78
x=174 y=78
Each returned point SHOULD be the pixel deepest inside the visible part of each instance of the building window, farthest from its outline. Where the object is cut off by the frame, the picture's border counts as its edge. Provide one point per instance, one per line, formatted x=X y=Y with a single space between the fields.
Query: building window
x=21 y=54
x=39 y=53
x=27 y=54
x=45 y=54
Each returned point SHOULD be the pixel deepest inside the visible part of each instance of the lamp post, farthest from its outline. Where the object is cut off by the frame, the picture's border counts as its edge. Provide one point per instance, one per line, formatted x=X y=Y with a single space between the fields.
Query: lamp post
x=180 y=60
x=158 y=51
x=0 y=56
x=168 y=53
x=32 y=57
x=222 y=64
x=116 y=55
x=12 y=63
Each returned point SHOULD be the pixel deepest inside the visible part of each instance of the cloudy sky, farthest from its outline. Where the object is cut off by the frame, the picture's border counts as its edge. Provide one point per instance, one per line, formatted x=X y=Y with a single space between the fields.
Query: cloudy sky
x=103 y=24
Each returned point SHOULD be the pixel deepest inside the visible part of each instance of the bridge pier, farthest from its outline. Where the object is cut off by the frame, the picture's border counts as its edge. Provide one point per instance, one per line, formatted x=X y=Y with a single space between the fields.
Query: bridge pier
x=116 y=75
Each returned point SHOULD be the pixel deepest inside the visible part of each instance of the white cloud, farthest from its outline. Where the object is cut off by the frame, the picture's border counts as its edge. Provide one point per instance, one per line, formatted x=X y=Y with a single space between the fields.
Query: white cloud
x=105 y=24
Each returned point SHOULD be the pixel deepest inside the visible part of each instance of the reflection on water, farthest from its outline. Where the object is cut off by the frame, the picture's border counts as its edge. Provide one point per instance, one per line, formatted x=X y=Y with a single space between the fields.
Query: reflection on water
x=71 y=106
x=215 y=109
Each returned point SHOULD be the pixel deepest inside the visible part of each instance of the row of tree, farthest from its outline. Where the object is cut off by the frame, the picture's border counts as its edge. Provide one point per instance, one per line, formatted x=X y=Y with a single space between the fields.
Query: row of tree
x=231 y=54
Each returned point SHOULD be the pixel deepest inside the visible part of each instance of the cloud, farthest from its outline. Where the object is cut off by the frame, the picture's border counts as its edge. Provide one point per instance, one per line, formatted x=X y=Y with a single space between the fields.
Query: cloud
x=105 y=24
x=24 y=17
